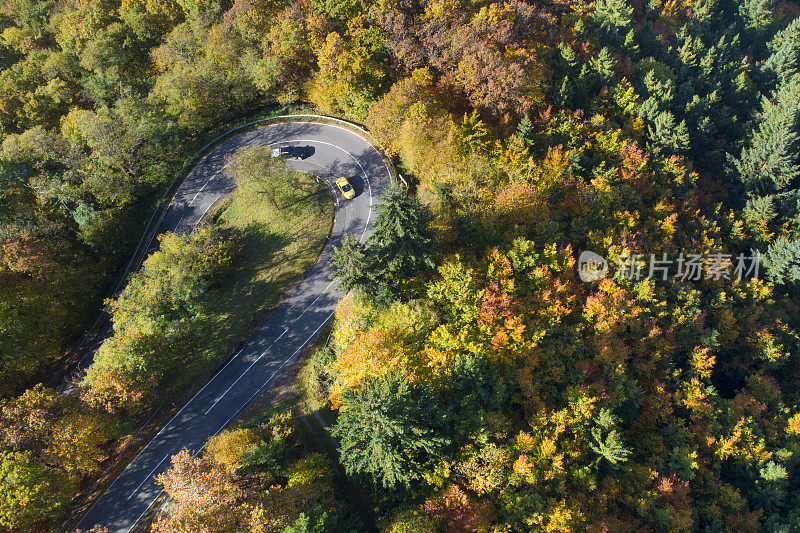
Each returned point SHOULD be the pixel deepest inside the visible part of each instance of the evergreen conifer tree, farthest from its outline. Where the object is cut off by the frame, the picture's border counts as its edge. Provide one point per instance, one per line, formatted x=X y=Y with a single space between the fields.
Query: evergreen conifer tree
x=389 y=430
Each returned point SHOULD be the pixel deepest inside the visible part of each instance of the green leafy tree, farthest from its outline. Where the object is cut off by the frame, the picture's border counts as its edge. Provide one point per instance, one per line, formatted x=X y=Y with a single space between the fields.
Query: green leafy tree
x=31 y=14
x=198 y=85
x=352 y=72
x=256 y=168
x=318 y=520
x=158 y=317
x=471 y=135
x=610 y=447
x=268 y=456
x=29 y=491
x=771 y=486
x=412 y=520
x=390 y=430
x=457 y=293
x=341 y=10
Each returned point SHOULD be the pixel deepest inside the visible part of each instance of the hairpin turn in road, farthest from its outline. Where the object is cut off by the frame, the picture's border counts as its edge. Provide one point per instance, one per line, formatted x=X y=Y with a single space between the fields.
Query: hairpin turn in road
x=335 y=151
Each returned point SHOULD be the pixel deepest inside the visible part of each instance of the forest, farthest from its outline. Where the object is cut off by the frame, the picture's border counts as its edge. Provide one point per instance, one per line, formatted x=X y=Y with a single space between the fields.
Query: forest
x=479 y=377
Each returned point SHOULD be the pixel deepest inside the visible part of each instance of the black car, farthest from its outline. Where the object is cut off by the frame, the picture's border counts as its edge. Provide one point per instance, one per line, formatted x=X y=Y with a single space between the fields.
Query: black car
x=296 y=152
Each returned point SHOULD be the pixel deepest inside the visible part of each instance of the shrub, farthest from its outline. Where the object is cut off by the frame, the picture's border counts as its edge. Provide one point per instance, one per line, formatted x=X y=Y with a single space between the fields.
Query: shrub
x=485 y=470
x=267 y=456
x=457 y=511
x=412 y=520
x=318 y=520
x=313 y=468
x=227 y=448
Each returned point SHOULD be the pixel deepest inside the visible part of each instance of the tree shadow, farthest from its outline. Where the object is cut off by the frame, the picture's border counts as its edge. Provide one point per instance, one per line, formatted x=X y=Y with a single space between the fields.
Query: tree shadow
x=258 y=238
x=319 y=193
x=286 y=188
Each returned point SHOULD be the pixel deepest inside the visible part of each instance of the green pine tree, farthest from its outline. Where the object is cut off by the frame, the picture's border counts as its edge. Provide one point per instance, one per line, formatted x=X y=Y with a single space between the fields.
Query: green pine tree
x=607 y=441
x=606 y=418
x=784 y=62
x=390 y=430
x=525 y=130
x=610 y=449
x=354 y=268
x=756 y=14
x=403 y=244
x=631 y=44
x=771 y=163
x=603 y=66
x=782 y=260
x=760 y=208
x=669 y=136
x=613 y=15
x=319 y=520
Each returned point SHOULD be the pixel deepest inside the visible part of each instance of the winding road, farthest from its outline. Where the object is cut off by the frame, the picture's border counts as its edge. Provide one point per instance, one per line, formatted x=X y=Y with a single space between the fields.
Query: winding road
x=276 y=344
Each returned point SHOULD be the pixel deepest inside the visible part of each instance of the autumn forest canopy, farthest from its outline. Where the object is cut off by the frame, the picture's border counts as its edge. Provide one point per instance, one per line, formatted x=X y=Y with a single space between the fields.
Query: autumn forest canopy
x=473 y=380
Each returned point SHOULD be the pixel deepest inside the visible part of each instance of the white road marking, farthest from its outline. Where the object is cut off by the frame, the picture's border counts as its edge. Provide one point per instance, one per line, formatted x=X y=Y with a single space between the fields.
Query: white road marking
x=235 y=356
x=148 y=477
x=326 y=288
x=270 y=379
x=217 y=173
x=159 y=433
x=369 y=143
x=366 y=178
x=268 y=348
x=148 y=508
x=199 y=220
x=236 y=413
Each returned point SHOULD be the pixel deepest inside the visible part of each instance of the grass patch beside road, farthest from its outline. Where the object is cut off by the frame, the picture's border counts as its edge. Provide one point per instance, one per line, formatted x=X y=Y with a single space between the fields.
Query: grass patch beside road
x=173 y=334
x=196 y=298
x=284 y=218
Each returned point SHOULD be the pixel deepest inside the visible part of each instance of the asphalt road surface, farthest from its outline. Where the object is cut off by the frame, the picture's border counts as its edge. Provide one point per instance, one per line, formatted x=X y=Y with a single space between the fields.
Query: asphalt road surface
x=277 y=343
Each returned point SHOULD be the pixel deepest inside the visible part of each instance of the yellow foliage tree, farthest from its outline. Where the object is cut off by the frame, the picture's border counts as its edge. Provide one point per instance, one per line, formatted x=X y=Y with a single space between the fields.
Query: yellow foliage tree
x=77 y=441
x=227 y=447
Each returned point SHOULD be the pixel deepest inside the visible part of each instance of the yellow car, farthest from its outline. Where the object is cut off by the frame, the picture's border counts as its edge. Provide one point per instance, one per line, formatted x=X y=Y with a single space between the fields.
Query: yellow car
x=347 y=189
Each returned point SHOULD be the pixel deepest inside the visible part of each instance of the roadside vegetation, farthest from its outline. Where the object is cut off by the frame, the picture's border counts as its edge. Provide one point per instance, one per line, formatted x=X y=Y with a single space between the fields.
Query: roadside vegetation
x=197 y=296
x=499 y=392
x=177 y=320
x=259 y=475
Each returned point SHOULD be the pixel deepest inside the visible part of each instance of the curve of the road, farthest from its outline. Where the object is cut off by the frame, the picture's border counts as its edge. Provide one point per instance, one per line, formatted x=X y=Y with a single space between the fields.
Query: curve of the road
x=277 y=343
